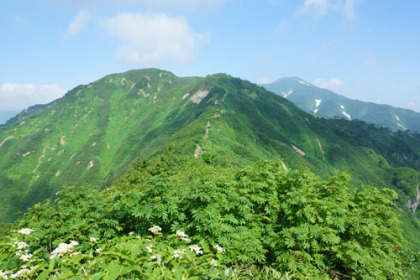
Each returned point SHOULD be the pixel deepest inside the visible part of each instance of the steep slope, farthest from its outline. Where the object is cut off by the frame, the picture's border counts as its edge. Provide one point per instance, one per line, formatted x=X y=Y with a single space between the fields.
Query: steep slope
x=96 y=131
x=326 y=103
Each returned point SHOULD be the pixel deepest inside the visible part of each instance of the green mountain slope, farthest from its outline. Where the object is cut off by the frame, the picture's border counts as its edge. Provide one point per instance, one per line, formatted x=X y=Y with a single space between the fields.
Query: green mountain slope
x=96 y=131
x=326 y=103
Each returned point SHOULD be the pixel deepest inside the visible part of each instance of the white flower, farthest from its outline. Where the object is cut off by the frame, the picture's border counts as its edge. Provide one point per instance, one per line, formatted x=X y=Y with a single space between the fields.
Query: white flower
x=20 y=273
x=3 y=274
x=98 y=250
x=155 y=229
x=20 y=245
x=131 y=233
x=26 y=231
x=196 y=249
x=93 y=239
x=63 y=249
x=19 y=253
x=26 y=257
x=154 y=257
x=219 y=249
x=213 y=262
x=149 y=248
x=182 y=235
x=178 y=253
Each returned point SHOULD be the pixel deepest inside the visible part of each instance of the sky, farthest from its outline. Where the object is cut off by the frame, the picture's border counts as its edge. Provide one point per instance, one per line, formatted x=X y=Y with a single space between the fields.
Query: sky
x=362 y=49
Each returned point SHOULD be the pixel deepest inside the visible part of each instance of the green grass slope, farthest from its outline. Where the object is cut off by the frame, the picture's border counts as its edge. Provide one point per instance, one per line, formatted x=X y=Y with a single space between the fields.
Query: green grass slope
x=95 y=132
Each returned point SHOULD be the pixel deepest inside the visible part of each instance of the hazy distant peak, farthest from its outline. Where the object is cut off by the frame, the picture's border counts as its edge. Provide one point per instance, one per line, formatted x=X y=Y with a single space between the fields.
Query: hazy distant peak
x=292 y=80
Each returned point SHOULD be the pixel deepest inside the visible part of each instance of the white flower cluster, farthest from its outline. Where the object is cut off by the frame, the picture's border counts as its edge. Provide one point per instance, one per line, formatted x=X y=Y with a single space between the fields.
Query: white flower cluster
x=93 y=239
x=149 y=248
x=196 y=249
x=213 y=262
x=18 y=274
x=20 y=245
x=219 y=249
x=4 y=274
x=182 y=235
x=25 y=231
x=63 y=248
x=154 y=257
x=26 y=257
x=179 y=253
x=155 y=229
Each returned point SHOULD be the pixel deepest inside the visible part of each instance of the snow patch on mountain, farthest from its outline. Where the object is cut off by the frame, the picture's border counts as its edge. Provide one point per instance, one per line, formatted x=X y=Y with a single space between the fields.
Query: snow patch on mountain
x=347 y=115
x=304 y=83
x=286 y=94
x=400 y=124
x=317 y=103
x=344 y=112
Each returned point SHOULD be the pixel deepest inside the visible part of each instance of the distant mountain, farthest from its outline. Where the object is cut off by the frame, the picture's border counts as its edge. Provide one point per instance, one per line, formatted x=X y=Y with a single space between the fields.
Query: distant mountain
x=326 y=103
x=97 y=131
x=6 y=115
x=26 y=113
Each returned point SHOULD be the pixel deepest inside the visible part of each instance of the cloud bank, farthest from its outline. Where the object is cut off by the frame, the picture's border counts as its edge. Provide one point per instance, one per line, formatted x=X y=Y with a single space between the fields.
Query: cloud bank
x=16 y=97
x=79 y=23
x=153 y=39
x=320 y=8
x=333 y=84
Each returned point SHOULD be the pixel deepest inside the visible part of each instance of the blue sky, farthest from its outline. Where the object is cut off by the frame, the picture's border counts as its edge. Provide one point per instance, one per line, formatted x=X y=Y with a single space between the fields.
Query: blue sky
x=363 y=49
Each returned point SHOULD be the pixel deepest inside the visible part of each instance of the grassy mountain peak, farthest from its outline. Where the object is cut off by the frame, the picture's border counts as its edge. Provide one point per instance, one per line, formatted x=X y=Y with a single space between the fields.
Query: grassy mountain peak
x=97 y=131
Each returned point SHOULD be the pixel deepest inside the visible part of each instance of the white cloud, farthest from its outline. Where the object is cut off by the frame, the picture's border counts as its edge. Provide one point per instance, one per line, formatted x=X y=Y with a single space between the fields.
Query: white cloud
x=370 y=61
x=142 y=4
x=280 y=28
x=264 y=81
x=79 y=23
x=333 y=84
x=349 y=9
x=154 y=39
x=327 y=46
x=15 y=97
x=413 y=106
x=320 y=8
x=189 y=4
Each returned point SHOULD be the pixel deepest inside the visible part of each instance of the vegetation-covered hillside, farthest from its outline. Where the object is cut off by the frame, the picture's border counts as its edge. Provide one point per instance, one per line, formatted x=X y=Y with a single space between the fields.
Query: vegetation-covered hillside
x=96 y=132
x=326 y=103
x=174 y=218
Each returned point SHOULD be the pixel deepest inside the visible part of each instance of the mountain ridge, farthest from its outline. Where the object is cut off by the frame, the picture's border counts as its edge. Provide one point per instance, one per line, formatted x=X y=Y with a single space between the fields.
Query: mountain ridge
x=326 y=103
x=97 y=131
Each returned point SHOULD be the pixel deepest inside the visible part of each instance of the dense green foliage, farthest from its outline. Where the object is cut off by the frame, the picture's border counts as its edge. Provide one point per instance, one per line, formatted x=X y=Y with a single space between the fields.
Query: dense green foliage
x=217 y=125
x=95 y=132
x=332 y=105
x=259 y=222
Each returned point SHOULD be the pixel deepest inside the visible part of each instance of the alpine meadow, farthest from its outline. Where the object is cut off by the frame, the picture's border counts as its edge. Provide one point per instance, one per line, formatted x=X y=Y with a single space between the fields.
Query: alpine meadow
x=146 y=175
